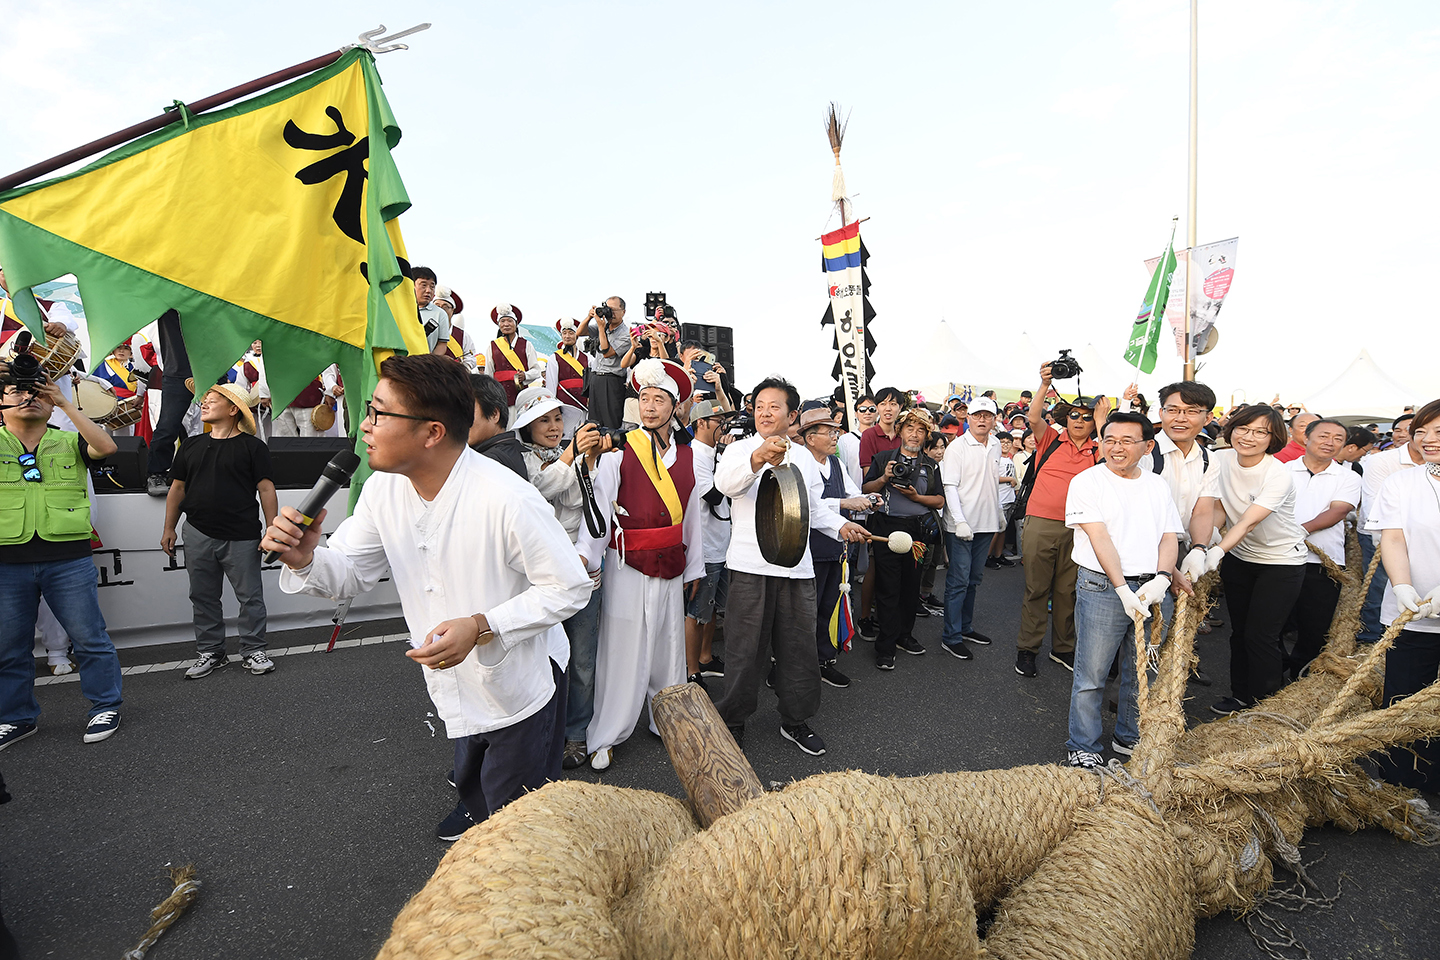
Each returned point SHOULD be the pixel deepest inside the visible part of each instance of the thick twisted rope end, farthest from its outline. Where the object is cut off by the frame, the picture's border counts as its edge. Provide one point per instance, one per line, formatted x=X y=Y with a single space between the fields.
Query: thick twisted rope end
x=187 y=888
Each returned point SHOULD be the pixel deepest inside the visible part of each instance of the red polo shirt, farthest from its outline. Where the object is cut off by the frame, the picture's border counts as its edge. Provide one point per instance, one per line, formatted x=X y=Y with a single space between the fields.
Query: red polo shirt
x=1291 y=451
x=1052 y=483
x=874 y=441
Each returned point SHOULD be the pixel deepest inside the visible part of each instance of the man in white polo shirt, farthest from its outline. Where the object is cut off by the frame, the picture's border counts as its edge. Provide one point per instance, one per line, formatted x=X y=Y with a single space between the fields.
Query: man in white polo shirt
x=971 y=474
x=1126 y=541
x=1378 y=467
x=1325 y=491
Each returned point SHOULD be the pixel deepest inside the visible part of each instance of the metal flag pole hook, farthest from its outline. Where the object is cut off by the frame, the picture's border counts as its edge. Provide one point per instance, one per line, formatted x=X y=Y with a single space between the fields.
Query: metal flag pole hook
x=372 y=40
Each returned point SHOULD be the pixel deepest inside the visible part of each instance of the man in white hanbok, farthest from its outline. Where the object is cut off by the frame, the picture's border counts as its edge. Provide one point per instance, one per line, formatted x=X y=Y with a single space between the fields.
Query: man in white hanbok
x=651 y=547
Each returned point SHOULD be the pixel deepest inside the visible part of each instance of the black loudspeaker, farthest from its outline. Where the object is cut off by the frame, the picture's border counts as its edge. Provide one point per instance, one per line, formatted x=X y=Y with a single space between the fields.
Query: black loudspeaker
x=718 y=340
x=297 y=461
x=124 y=471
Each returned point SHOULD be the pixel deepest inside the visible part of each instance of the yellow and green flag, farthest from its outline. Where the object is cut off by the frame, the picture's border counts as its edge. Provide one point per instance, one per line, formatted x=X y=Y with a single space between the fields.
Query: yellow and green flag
x=272 y=219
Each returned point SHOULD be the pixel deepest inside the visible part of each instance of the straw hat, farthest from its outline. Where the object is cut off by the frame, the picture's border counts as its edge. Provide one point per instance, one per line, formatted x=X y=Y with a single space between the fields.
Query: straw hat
x=919 y=415
x=241 y=400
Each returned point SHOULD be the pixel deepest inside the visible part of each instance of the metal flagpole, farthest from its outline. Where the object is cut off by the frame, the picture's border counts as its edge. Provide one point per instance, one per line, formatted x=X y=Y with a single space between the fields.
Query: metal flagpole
x=1190 y=219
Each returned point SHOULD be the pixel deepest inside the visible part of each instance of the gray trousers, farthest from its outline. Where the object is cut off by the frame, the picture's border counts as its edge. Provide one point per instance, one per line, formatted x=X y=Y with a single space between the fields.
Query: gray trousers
x=767 y=616
x=208 y=560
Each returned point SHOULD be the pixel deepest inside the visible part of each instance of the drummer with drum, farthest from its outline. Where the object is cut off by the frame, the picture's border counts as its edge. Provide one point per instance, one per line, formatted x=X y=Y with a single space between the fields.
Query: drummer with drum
x=123 y=374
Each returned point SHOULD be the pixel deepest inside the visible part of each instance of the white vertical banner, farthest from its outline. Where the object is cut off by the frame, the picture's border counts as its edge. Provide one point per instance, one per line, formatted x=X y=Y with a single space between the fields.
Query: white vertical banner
x=847 y=308
x=1211 y=275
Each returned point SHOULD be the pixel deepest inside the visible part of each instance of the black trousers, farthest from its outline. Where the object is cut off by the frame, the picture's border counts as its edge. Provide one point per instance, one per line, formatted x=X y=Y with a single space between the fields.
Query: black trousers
x=497 y=767
x=174 y=401
x=607 y=399
x=1410 y=666
x=1260 y=597
x=827 y=592
x=1313 y=612
x=764 y=616
x=897 y=585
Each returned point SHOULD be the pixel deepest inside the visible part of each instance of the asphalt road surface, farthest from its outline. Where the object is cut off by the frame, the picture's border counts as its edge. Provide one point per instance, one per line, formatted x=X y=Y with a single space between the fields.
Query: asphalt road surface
x=308 y=798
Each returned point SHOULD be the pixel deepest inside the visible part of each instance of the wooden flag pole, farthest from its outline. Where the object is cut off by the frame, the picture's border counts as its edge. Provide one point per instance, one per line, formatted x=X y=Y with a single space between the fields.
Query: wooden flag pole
x=1190 y=225
x=368 y=40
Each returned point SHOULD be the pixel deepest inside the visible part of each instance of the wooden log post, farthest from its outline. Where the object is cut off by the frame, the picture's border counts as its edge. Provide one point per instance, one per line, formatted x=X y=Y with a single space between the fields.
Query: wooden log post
x=710 y=764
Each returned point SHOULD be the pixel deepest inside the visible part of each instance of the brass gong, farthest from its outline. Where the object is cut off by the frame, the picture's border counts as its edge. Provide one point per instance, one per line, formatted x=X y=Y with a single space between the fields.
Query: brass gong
x=782 y=516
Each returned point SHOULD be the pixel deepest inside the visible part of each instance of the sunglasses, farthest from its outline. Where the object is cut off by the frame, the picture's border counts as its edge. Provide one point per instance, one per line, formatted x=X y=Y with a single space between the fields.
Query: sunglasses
x=869 y=409
x=1077 y=415
x=31 y=468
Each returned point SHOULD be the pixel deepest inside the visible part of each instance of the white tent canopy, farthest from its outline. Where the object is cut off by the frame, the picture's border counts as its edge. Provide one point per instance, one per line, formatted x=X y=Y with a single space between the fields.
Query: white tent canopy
x=1363 y=390
x=934 y=360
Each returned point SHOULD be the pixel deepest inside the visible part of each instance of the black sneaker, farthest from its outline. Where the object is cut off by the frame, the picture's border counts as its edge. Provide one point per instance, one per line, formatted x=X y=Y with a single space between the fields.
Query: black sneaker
x=1200 y=676
x=1004 y=562
x=957 y=650
x=714 y=667
x=455 y=825
x=157 y=485
x=770 y=677
x=884 y=663
x=1125 y=748
x=911 y=646
x=833 y=676
x=931 y=601
x=992 y=563
x=923 y=611
x=1066 y=660
x=1084 y=759
x=698 y=680
x=1025 y=663
x=14 y=733
x=869 y=628
x=976 y=637
x=1229 y=705
x=575 y=756
x=803 y=737
x=450 y=777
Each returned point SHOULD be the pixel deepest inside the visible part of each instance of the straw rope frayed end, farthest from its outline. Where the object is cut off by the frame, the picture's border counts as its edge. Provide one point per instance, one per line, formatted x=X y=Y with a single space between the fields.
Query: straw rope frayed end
x=187 y=888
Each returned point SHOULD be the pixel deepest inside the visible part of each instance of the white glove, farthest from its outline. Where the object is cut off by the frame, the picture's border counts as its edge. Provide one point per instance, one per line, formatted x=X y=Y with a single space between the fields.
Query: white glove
x=1193 y=566
x=1408 y=597
x=1152 y=592
x=963 y=531
x=1213 y=556
x=1134 y=609
x=1432 y=600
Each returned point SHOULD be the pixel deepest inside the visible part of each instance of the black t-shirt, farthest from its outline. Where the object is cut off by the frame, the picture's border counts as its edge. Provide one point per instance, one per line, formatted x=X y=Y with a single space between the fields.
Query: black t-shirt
x=220 y=478
x=39 y=550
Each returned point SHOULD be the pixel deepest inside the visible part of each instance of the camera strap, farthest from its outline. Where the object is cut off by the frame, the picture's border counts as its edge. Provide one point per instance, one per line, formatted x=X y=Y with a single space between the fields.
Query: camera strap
x=594 y=520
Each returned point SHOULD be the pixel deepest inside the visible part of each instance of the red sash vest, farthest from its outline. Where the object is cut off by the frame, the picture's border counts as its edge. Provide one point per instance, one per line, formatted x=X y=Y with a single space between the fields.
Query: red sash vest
x=652 y=542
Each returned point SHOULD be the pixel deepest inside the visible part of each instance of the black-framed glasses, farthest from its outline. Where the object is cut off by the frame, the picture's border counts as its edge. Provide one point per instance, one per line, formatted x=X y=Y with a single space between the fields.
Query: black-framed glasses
x=372 y=414
x=31 y=468
x=1077 y=415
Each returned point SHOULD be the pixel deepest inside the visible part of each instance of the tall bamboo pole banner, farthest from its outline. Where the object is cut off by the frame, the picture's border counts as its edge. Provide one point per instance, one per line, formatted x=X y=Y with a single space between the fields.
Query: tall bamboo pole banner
x=1213 y=266
x=843 y=261
x=276 y=219
x=1144 y=343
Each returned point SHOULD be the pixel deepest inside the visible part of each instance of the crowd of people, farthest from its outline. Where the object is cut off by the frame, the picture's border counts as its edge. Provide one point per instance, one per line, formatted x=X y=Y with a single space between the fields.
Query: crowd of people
x=570 y=535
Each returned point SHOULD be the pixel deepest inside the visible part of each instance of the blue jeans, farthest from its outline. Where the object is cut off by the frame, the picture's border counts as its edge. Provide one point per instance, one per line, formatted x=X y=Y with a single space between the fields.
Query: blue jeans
x=701 y=607
x=963 y=572
x=69 y=587
x=1101 y=628
x=583 y=629
x=1370 y=626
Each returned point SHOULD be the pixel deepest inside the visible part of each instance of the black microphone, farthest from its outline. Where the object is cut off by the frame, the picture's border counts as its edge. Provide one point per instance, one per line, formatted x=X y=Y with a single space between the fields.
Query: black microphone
x=336 y=474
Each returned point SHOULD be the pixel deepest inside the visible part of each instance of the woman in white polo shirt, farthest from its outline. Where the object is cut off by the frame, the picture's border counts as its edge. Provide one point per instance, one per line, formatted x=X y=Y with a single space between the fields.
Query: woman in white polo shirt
x=1262 y=555
x=1407 y=517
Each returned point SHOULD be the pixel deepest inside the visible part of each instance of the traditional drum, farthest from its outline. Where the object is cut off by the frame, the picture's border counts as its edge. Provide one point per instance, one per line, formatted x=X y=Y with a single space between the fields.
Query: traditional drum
x=322 y=417
x=127 y=413
x=57 y=358
x=95 y=400
x=782 y=516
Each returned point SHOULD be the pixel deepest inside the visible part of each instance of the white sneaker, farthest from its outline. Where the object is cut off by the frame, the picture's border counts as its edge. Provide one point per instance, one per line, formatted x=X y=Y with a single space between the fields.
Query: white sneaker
x=62 y=668
x=601 y=758
x=258 y=662
x=206 y=665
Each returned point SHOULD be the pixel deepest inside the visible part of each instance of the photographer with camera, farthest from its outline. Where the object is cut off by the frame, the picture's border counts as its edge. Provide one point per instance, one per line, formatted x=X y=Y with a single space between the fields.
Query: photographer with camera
x=45 y=551
x=909 y=483
x=613 y=355
x=1063 y=450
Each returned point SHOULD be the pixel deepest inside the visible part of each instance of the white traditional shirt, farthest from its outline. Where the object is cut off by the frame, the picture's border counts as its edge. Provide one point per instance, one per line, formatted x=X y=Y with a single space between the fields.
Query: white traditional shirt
x=734 y=478
x=488 y=543
x=1183 y=473
x=971 y=474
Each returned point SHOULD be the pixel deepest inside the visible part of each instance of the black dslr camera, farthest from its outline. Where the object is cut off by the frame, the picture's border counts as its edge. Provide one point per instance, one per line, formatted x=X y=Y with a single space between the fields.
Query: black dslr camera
x=24 y=370
x=605 y=312
x=904 y=472
x=1066 y=367
x=617 y=437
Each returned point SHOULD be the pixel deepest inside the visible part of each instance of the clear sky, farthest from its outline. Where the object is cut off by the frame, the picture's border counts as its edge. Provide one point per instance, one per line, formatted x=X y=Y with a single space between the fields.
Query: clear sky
x=1018 y=161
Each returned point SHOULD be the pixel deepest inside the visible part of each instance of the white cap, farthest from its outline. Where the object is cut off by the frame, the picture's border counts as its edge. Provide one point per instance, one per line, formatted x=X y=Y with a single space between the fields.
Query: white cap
x=983 y=405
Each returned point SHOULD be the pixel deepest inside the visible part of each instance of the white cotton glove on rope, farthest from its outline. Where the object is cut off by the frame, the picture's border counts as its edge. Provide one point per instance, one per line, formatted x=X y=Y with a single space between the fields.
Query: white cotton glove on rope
x=1433 y=598
x=963 y=531
x=1134 y=608
x=1193 y=566
x=1213 y=556
x=1152 y=592
x=1408 y=597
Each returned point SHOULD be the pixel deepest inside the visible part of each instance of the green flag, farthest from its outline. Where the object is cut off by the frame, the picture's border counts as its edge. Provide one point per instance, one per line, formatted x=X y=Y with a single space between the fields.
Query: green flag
x=1145 y=334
